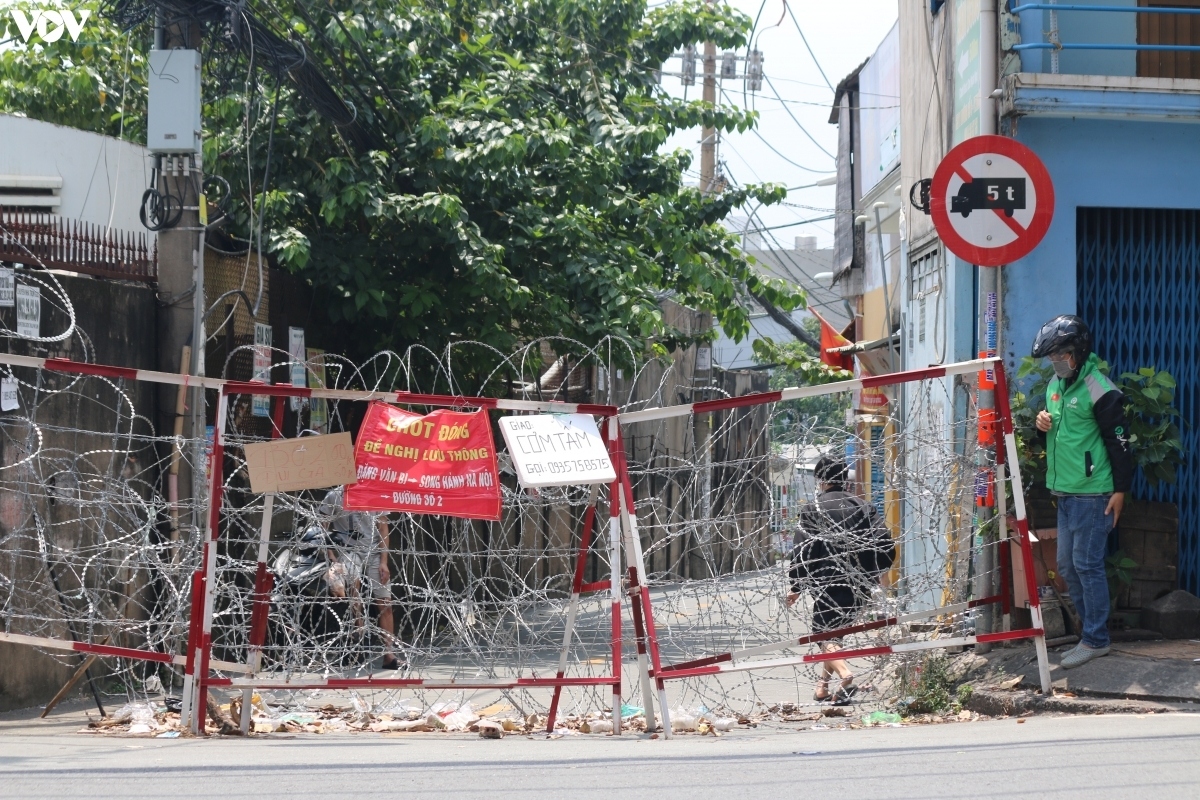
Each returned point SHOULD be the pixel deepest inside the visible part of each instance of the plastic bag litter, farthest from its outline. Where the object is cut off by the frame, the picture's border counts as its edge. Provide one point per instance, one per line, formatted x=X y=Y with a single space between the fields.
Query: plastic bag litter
x=724 y=724
x=684 y=720
x=628 y=711
x=140 y=717
x=597 y=726
x=881 y=718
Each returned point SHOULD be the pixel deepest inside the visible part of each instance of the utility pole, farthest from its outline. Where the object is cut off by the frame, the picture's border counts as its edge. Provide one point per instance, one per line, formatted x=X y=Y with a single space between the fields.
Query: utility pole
x=986 y=582
x=708 y=136
x=181 y=290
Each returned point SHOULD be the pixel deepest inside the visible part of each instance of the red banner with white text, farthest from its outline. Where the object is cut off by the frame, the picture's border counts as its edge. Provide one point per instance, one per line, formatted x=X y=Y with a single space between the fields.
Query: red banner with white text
x=440 y=463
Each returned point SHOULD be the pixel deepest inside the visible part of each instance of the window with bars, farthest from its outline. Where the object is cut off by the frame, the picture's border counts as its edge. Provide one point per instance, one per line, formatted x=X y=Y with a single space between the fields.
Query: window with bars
x=925 y=271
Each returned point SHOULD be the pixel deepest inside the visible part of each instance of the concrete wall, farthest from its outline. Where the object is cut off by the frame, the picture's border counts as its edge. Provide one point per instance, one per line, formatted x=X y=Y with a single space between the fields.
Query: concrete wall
x=102 y=178
x=115 y=324
x=1092 y=163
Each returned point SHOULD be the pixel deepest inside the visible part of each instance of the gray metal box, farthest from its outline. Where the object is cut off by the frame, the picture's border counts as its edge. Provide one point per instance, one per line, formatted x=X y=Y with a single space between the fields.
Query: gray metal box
x=173 y=124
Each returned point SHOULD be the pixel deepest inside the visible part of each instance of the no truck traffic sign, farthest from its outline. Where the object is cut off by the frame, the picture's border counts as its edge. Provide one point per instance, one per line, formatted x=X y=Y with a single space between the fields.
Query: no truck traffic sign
x=991 y=200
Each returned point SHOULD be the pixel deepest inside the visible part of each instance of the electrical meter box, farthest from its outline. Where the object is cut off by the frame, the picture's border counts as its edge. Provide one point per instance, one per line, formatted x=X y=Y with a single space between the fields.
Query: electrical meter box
x=173 y=113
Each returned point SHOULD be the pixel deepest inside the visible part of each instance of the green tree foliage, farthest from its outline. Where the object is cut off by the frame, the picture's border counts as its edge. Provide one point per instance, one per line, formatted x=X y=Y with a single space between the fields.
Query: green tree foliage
x=516 y=185
x=795 y=365
x=97 y=83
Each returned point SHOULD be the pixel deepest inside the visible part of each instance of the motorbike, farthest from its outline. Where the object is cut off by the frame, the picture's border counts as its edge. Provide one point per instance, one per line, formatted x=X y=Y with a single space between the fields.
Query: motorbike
x=320 y=604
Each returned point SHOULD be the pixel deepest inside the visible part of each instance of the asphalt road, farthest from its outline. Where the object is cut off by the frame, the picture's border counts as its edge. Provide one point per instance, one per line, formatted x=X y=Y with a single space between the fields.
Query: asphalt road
x=1059 y=757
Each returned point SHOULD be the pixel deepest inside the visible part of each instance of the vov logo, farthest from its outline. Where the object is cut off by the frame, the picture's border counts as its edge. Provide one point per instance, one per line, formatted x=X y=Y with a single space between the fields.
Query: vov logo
x=50 y=23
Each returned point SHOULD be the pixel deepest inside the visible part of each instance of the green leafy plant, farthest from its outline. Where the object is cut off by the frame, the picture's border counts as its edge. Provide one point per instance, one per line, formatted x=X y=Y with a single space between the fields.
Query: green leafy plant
x=1154 y=437
x=931 y=687
x=1118 y=568
x=1031 y=448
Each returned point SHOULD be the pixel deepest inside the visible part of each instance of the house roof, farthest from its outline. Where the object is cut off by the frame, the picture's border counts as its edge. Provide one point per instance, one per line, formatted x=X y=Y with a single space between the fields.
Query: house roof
x=847 y=83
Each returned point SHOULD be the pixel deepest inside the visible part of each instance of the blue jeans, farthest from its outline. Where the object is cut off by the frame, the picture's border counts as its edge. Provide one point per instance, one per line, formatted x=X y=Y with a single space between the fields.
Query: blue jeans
x=1083 y=530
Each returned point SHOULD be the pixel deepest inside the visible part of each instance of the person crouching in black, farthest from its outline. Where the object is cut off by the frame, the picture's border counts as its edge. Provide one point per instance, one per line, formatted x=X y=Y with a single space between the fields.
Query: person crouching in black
x=842 y=549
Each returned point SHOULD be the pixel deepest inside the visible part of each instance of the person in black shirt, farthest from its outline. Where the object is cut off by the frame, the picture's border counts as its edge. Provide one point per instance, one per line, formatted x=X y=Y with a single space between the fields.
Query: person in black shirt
x=841 y=550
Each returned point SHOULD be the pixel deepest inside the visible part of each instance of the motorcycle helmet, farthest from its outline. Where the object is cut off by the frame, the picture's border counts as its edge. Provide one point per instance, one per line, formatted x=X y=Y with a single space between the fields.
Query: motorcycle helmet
x=1064 y=334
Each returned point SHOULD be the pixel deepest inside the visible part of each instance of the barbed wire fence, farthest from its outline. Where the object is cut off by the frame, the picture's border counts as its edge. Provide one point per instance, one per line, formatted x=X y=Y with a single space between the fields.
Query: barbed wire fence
x=91 y=549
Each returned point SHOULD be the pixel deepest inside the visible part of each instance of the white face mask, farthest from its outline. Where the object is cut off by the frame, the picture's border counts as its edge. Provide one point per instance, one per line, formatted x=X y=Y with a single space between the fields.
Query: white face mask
x=1062 y=368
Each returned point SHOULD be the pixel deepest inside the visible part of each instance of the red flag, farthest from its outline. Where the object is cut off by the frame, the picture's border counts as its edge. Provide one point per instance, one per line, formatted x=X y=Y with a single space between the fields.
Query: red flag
x=830 y=338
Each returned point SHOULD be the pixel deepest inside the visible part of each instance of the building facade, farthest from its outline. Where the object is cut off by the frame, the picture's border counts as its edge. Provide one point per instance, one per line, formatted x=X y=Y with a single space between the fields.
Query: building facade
x=1108 y=96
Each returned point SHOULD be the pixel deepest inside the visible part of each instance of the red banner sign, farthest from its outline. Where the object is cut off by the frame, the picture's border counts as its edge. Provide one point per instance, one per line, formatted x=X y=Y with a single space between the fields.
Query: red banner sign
x=441 y=463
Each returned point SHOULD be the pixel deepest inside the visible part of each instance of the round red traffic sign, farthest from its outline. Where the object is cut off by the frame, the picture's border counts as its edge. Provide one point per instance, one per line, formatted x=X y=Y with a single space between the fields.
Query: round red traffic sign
x=991 y=200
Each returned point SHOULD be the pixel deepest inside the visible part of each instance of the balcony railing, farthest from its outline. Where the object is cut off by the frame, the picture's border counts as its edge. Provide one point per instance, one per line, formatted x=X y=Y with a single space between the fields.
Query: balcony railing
x=1094 y=39
x=51 y=242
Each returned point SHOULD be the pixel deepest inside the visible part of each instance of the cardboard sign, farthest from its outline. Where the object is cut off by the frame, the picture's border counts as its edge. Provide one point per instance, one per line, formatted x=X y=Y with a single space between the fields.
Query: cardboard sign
x=441 y=463
x=557 y=450
x=310 y=462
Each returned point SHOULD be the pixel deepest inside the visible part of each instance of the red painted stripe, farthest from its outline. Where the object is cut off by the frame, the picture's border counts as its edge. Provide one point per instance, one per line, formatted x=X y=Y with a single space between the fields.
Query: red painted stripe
x=1025 y=633
x=595 y=586
x=263 y=582
x=585 y=543
x=568 y=682
x=985 y=601
x=417 y=399
x=699 y=662
x=197 y=612
x=80 y=368
x=122 y=652
x=873 y=381
x=267 y=389
x=724 y=403
x=598 y=410
x=1002 y=404
x=635 y=605
x=695 y=672
x=837 y=654
x=616 y=646
x=651 y=633
x=552 y=714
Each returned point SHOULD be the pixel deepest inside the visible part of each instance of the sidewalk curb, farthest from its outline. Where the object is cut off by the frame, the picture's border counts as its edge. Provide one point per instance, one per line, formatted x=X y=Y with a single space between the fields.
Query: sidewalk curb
x=1022 y=702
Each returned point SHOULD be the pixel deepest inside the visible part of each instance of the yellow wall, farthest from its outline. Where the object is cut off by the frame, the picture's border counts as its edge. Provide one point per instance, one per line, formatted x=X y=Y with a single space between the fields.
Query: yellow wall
x=874 y=318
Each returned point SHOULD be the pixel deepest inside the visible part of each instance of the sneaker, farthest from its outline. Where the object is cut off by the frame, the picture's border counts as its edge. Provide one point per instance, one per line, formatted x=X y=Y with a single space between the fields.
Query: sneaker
x=1081 y=655
x=1072 y=649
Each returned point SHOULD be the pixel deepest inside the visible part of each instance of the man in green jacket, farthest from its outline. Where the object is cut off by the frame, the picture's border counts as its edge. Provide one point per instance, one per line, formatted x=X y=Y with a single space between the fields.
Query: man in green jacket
x=1088 y=467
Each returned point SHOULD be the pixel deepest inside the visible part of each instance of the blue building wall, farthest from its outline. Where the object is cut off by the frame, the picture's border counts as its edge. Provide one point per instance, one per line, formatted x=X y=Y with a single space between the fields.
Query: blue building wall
x=1118 y=164
x=1092 y=163
x=1083 y=27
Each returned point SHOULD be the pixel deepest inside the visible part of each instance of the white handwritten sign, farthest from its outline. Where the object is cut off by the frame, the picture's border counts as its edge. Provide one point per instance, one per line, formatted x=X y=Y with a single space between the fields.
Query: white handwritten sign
x=557 y=450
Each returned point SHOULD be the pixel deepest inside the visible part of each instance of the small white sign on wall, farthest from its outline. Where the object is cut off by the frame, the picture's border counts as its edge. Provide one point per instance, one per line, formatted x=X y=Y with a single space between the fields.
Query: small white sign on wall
x=29 y=311
x=261 y=403
x=8 y=287
x=9 y=398
x=557 y=450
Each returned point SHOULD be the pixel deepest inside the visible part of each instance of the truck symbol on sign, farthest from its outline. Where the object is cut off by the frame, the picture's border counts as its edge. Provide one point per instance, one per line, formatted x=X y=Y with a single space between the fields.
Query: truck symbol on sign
x=1004 y=194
